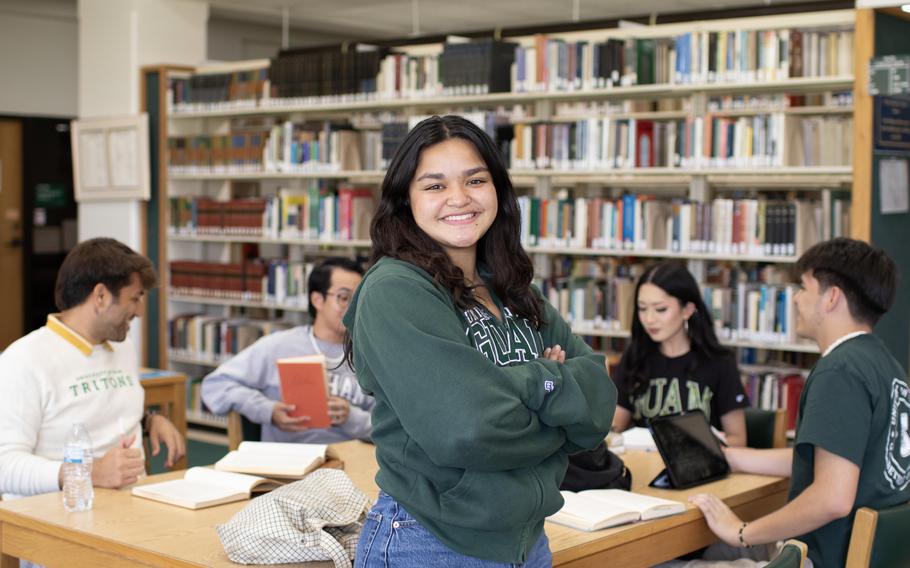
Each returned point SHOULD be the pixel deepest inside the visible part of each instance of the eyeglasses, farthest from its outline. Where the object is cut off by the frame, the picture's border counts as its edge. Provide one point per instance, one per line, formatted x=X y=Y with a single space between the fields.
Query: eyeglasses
x=343 y=298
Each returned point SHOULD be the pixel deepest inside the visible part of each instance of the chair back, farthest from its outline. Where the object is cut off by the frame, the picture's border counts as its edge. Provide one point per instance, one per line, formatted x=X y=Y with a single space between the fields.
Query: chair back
x=879 y=538
x=766 y=428
x=792 y=555
x=241 y=428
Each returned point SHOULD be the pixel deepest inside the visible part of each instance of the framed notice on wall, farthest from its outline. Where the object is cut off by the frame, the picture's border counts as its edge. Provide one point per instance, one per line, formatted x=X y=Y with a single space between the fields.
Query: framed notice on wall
x=111 y=158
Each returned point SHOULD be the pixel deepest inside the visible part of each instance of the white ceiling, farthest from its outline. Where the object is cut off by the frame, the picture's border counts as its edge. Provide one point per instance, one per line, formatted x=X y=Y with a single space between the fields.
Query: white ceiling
x=391 y=19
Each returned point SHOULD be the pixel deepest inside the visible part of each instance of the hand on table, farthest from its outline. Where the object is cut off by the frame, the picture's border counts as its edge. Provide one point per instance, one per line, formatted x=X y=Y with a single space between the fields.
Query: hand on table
x=721 y=519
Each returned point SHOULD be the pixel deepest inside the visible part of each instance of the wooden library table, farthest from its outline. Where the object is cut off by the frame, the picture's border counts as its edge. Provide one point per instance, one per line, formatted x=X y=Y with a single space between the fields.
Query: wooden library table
x=167 y=391
x=123 y=530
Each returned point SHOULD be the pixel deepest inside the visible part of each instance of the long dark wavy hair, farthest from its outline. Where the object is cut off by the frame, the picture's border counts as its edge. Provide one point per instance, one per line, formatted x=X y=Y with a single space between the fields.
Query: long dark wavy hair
x=395 y=233
x=674 y=279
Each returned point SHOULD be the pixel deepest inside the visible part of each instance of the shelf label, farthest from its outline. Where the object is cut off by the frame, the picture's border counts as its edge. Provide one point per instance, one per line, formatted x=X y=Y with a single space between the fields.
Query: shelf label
x=892 y=124
x=889 y=75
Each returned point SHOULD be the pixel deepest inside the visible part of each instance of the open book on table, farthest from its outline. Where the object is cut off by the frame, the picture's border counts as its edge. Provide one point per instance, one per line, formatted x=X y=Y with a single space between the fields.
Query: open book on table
x=274 y=459
x=204 y=487
x=597 y=509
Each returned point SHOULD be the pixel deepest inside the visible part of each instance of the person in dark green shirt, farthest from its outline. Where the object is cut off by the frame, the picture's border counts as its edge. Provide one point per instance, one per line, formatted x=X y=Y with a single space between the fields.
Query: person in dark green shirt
x=852 y=445
x=482 y=391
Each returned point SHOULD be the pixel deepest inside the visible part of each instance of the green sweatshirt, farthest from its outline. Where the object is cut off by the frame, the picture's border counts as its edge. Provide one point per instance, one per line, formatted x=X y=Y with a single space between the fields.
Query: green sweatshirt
x=472 y=428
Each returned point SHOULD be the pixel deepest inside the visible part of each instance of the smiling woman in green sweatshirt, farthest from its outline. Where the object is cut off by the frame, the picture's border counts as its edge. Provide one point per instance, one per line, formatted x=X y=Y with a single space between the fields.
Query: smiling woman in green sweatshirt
x=482 y=391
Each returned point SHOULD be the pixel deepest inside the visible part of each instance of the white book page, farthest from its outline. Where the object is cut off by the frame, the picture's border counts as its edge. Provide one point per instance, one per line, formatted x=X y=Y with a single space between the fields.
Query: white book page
x=237 y=481
x=592 y=510
x=187 y=491
x=649 y=507
x=273 y=459
x=306 y=452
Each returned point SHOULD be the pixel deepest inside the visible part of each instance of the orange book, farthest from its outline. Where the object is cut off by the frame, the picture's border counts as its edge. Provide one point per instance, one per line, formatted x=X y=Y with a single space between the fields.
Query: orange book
x=304 y=384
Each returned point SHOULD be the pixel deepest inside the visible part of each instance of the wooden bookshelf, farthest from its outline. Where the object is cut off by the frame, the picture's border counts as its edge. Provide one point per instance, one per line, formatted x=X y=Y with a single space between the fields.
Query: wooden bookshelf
x=198 y=360
x=264 y=175
x=295 y=241
x=236 y=303
x=800 y=110
x=633 y=253
x=206 y=419
x=798 y=347
x=321 y=107
x=696 y=183
x=815 y=175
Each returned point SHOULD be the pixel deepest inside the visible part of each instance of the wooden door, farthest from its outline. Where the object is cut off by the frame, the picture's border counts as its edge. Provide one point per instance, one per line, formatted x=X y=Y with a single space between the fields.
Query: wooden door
x=11 y=298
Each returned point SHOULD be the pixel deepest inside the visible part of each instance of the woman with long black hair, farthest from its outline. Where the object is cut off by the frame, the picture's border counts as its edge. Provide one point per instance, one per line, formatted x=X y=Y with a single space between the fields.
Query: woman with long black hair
x=482 y=391
x=674 y=362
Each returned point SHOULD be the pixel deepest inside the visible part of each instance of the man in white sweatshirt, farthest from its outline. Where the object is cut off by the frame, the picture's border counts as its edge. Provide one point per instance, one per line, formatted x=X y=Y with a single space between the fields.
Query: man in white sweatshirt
x=80 y=367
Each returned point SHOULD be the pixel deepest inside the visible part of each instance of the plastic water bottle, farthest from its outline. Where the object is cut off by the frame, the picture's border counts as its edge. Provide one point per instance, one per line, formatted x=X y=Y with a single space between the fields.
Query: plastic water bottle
x=78 y=492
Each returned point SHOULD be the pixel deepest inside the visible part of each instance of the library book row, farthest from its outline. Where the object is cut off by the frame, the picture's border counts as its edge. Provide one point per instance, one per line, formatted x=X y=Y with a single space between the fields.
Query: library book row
x=278 y=283
x=585 y=144
x=755 y=313
x=632 y=224
x=541 y=63
x=309 y=213
x=749 y=228
x=771 y=389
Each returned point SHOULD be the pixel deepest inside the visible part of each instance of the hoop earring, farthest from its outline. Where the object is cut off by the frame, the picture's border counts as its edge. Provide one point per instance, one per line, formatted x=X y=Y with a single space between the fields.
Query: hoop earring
x=686 y=326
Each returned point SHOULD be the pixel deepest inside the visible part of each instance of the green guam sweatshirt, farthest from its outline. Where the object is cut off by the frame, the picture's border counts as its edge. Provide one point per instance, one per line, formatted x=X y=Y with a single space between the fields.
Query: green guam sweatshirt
x=472 y=427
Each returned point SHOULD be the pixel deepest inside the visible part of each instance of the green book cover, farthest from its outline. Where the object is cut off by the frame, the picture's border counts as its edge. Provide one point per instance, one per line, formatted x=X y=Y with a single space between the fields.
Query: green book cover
x=535 y=220
x=644 y=49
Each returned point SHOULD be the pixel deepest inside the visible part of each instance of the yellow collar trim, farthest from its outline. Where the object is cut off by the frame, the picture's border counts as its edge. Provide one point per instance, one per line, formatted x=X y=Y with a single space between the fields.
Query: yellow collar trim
x=54 y=324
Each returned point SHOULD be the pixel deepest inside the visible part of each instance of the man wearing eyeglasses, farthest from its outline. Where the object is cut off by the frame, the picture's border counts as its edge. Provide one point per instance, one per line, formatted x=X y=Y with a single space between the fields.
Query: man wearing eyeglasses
x=249 y=383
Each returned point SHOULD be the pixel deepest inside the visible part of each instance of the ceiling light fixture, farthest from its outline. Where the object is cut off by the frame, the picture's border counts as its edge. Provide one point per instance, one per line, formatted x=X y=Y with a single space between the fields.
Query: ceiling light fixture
x=415 y=19
x=905 y=8
x=285 y=27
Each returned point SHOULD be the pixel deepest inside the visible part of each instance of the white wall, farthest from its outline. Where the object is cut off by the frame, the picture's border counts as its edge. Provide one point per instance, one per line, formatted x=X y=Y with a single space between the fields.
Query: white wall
x=230 y=40
x=235 y=40
x=38 y=57
x=876 y=3
x=116 y=38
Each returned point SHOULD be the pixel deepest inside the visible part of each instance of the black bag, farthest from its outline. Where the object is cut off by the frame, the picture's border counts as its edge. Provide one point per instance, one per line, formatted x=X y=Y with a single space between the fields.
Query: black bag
x=596 y=469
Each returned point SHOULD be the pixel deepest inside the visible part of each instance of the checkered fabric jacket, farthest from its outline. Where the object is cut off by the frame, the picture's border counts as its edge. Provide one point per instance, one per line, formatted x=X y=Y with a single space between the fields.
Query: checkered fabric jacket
x=316 y=518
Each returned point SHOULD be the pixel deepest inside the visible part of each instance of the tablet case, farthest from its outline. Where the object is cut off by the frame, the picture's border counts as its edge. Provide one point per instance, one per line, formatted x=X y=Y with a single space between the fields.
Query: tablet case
x=691 y=453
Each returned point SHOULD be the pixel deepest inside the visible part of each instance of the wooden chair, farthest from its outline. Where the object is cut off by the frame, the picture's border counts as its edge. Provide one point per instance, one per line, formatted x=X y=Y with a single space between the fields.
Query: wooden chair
x=879 y=538
x=792 y=555
x=766 y=428
x=240 y=428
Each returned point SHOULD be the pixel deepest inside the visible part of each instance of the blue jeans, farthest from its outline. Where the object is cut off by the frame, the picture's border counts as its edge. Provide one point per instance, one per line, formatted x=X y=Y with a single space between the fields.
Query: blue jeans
x=392 y=538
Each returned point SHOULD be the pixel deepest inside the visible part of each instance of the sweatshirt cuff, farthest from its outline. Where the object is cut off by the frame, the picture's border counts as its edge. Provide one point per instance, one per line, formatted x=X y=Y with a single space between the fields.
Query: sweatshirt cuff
x=49 y=476
x=540 y=385
x=262 y=411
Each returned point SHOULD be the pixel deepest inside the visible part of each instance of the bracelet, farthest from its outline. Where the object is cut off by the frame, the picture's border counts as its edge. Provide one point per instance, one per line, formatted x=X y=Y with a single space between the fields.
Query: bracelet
x=742 y=541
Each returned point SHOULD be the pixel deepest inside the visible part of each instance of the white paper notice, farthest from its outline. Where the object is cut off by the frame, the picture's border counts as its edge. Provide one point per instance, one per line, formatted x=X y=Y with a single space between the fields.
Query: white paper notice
x=92 y=159
x=123 y=145
x=893 y=178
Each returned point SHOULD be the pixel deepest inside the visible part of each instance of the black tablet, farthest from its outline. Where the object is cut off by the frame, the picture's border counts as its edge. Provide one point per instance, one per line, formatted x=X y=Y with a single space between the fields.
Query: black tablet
x=690 y=451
